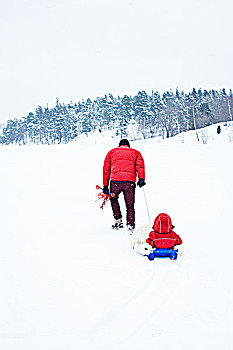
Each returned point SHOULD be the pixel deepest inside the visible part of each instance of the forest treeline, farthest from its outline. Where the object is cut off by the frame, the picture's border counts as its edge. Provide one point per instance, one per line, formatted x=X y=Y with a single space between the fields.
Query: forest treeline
x=141 y=116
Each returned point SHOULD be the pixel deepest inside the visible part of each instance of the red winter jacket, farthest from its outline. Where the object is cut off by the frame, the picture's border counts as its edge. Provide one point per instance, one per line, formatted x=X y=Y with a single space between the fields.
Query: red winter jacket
x=163 y=236
x=123 y=164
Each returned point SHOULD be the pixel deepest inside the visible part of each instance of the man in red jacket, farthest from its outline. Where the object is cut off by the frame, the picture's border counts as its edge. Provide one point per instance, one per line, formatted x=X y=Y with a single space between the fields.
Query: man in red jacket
x=122 y=165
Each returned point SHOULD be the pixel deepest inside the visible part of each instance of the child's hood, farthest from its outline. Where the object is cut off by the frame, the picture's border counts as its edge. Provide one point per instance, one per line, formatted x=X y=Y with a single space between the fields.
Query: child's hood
x=163 y=223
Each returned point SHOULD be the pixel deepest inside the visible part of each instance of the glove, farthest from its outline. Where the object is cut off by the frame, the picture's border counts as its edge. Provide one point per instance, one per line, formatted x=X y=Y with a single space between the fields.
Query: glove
x=105 y=190
x=141 y=182
x=151 y=242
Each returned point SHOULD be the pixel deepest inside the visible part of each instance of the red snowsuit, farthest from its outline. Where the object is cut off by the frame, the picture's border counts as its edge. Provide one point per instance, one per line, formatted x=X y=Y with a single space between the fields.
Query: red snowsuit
x=163 y=236
x=121 y=166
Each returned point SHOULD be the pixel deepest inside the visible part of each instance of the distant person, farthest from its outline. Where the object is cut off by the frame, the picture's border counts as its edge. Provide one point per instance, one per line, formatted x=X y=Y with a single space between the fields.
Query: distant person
x=121 y=167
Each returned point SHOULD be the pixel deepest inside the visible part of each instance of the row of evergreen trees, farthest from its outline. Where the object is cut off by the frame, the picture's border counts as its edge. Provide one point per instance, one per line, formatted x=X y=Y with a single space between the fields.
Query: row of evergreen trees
x=148 y=115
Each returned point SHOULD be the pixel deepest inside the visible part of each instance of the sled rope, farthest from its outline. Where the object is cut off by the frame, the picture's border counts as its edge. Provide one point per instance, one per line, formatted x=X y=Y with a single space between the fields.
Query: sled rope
x=146 y=205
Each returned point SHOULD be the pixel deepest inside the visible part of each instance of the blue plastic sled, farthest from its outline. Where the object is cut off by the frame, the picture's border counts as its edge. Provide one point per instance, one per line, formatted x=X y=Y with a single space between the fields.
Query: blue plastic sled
x=163 y=253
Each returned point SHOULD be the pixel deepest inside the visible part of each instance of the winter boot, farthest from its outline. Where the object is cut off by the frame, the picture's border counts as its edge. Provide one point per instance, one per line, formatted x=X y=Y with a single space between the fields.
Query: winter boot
x=118 y=224
x=130 y=229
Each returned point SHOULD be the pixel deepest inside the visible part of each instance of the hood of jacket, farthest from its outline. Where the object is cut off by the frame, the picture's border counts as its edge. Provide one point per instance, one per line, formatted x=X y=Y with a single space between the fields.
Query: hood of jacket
x=163 y=223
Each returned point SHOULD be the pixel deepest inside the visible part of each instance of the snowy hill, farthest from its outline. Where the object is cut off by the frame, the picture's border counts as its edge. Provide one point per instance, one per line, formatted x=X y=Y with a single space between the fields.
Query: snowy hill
x=205 y=135
x=69 y=282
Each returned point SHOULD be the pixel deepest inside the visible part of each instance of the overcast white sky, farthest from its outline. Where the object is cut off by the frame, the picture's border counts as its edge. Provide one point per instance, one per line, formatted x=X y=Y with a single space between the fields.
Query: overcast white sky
x=74 y=49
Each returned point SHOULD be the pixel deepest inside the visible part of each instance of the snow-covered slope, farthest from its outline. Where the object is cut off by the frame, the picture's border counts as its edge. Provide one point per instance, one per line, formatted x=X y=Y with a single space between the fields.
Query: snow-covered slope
x=205 y=135
x=67 y=281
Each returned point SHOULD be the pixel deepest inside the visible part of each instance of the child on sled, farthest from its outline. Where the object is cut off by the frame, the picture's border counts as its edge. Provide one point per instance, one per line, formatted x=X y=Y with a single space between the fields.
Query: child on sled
x=162 y=236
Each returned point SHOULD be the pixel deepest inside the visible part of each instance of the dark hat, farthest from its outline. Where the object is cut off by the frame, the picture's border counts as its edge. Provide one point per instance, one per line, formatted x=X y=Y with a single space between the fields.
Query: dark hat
x=124 y=142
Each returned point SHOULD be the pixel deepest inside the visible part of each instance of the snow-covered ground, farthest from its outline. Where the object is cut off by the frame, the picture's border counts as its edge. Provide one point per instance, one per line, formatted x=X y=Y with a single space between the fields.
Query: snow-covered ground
x=67 y=281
